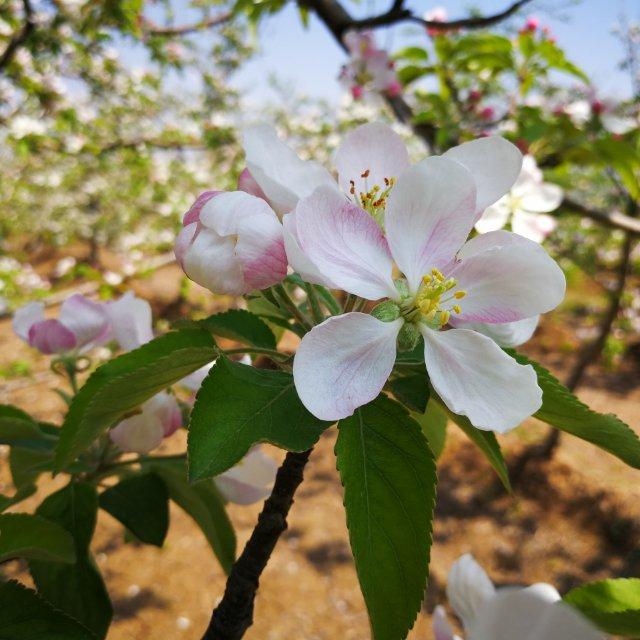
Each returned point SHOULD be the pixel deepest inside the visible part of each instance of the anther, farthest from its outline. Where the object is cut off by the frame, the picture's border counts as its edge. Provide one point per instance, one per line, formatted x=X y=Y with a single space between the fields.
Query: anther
x=365 y=174
x=458 y=295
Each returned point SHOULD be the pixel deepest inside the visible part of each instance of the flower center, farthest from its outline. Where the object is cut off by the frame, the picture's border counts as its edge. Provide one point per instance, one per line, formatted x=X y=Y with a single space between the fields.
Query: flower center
x=373 y=199
x=435 y=301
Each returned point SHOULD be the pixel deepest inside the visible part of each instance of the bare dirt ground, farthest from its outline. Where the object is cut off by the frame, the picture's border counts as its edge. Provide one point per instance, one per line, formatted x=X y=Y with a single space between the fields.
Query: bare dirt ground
x=574 y=519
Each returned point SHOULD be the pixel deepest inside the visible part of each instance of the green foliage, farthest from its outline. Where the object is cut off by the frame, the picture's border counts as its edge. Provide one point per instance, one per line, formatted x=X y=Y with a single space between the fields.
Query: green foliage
x=389 y=480
x=613 y=605
x=412 y=389
x=26 y=536
x=26 y=616
x=562 y=410
x=238 y=406
x=77 y=589
x=240 y=325
x=141 y=504
x=121 y=385
x=433 y=423
x=18 y=429
x=203 y=503
x=21 y=494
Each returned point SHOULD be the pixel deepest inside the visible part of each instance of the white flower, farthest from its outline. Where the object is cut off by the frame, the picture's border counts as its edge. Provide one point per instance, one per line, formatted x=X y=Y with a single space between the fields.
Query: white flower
x=525 y=205
x=487 y=613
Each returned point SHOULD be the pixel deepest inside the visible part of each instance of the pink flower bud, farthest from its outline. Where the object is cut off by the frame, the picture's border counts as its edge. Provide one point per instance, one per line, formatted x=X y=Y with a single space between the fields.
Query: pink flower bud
x=357 y=92
x=598 y=107
x=487 y=113
x=531 y=24
x=248 y=184
x=475 y=95
x=81 y=325
x=232 y=243
x=394 y=89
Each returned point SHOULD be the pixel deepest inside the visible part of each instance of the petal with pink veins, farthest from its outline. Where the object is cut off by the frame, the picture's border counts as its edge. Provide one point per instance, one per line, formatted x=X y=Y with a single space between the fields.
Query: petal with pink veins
x=493 y=162
x=250 y=480
x=506 y=277
x=87 y=320
x=25 y=317
x=372 y=147
x=345 y=244
x=476 y=378
x=51 y=336
x=343 y=363
x=280 y=173
x=429 y=215
x=248 y=184
x=131 y=321
x=193 y=215
x=509 y=334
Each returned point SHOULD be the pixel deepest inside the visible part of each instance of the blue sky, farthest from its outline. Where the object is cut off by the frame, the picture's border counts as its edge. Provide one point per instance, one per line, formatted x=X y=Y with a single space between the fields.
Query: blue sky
x=310 y=59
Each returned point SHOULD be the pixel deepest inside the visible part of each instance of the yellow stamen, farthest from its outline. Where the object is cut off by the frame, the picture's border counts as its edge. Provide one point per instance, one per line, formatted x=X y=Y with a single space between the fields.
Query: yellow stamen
x=444 y=318
x=458 y=295
x=456 y=308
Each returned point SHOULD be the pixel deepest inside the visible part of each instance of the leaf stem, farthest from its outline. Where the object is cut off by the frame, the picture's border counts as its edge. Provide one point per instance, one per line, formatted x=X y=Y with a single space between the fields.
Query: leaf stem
x=234 y=615
x=314 y=303
x=287 y=303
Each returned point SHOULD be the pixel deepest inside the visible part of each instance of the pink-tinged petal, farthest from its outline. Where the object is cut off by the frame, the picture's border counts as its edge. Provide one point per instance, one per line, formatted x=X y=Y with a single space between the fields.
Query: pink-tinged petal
x=506 y=277
x=250 y=480
x=51 y=336
x=184 y=240
x=194 y=380
x=25 y=317
x=87 y=320
x=193 y=215
x=375 y=148
x=131 y=321
x=280 y=173
x=534 y=226
x=469 y=588
x=259 y=245
x=139 y=434
x=297 y=259
x=533 y=613
x=343 y=363
x=429 y=215
x=248 y=184
x=164 y=407
x=494 y=217
x=345 y=244
x=476 y=378
x=441 y=628
x=509 y=334
x=494 y=164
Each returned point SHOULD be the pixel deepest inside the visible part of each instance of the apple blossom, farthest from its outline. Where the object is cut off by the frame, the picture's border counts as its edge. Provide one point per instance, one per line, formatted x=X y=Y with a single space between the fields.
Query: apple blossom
x=427 y=211
x=526 y=613
x=81 y=325
x=525 y=206
x=437 y=14
x=131 y=321
x=231 y=243
x=159 y=417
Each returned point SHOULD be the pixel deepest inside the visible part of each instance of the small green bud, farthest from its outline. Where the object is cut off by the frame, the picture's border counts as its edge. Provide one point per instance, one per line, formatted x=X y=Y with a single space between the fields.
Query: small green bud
x=387 y=311
x=402 y=287
x=408 y=337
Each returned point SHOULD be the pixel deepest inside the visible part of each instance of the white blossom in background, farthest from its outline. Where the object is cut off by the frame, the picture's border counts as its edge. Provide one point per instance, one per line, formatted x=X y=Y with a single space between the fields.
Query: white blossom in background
x=526 y=205
x=509 y=613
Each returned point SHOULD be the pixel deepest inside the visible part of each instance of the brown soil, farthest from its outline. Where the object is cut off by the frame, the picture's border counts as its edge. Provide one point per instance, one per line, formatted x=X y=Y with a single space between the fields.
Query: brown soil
x=574 y=519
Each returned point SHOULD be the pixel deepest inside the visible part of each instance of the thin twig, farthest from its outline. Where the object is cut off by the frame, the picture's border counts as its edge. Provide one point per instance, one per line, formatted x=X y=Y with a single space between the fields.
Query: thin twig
x=151 y=28
x=20 y=37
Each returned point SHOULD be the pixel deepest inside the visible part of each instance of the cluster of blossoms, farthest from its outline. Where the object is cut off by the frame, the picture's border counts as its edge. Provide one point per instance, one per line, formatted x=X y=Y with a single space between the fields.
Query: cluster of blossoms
x=394 y=234
x=83 y=324
x=369 y=68
x=525 y=613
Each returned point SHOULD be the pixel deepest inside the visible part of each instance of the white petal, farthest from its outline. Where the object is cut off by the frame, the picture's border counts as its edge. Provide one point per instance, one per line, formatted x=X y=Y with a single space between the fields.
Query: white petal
x=475 y=378
x=469 y=588
x=343 y=363
x=508 y=334
x=131 y=321
x=530 y=614
x=494 y=217
x=494 y=164
x=429 y=214
x=25 y=317
x=281 y=174
x=345 y=244
x=140 y=433
x=87 y=320
x=544 y=198
x=534 y=226
x=250 y=480
x=506 y=277
x=372 y=147
x=194 y=380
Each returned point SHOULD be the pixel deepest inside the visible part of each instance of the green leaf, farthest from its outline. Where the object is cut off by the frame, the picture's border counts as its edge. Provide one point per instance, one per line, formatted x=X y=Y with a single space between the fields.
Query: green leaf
x=19 y=429
x=121 y=385
x=21 y=494
x=561 y=409
x=141 y=504
x=389 y=479
x=204 y=504
x=242 y=326
x=412 y=389
x=26 y=616
x=412 y=72
x=412 y=53
x=77 y=589
x=613 y=605
x=238 y=406
x=23 y=535
x=433 y=423
x=487 y=443
x=27 y=464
